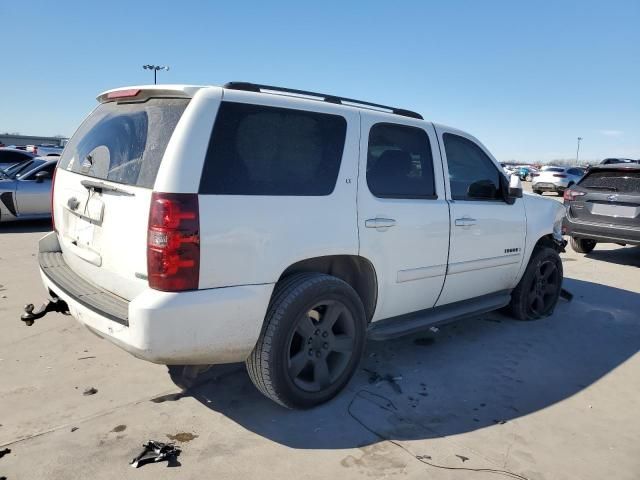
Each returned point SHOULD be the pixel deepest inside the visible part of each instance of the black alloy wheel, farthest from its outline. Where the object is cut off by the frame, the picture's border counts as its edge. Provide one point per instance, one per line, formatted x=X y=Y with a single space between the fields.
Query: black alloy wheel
x=321 y=345
x=543 y=292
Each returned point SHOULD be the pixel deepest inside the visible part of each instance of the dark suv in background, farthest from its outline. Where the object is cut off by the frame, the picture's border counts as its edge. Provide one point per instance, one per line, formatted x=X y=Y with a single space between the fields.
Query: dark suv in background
x=604 y=207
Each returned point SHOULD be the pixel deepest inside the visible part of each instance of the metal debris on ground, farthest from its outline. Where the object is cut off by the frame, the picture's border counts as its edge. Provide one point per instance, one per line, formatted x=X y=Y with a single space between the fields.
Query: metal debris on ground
x=4 y=452
x=156 y=452
x=90 y=391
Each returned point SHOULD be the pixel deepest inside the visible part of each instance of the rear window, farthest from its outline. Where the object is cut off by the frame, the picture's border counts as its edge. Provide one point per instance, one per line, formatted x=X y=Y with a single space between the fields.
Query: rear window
x=259 y=150
x=124 y=143
x=615 y=181
x=554 y=169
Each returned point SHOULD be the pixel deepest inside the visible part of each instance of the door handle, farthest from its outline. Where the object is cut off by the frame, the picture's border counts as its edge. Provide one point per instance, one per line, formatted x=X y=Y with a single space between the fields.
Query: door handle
x=465 y=222
x=380 y=223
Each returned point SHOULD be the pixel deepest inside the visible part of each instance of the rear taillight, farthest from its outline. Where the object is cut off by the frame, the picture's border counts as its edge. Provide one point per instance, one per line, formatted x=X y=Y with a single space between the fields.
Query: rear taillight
x=570 y=195
x=173 y=242
x=560 y=175
x=53 y=185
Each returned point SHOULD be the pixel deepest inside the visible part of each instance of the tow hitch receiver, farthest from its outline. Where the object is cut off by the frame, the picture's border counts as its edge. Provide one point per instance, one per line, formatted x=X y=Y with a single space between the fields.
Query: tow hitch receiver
x=53 y=305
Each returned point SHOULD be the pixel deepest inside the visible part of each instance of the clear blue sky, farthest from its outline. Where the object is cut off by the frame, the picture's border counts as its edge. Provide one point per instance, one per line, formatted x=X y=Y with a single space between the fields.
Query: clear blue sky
x=526 y=78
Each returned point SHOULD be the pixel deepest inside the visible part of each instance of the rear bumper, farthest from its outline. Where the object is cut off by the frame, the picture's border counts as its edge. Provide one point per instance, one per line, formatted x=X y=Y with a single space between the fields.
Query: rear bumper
x=549 y=187
x=218 y=325
x=601 y=232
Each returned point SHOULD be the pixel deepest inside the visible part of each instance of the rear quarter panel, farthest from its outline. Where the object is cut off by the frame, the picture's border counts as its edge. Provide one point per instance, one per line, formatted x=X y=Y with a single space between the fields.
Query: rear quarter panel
x=252 y=239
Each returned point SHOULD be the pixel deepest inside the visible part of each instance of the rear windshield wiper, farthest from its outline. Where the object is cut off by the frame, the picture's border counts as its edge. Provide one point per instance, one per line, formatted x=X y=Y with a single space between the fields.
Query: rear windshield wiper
x=103 y=187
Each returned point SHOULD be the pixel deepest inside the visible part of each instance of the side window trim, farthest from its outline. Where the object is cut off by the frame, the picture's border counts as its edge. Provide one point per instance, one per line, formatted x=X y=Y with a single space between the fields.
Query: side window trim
x=399 y=196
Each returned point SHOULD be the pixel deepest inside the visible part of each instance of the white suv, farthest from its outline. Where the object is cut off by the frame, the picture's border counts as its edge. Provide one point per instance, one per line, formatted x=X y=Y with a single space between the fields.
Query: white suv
x=201 y=225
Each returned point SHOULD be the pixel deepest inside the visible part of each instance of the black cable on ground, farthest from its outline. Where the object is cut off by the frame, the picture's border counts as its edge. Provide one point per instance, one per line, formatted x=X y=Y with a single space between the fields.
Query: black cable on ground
x=393 y=409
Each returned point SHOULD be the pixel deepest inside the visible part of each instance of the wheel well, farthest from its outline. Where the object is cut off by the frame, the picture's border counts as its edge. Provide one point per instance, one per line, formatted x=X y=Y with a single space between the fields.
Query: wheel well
x=547 y=241
x=356 y=271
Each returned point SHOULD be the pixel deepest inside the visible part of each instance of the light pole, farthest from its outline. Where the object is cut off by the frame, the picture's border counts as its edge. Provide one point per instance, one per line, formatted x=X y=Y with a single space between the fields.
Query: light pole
x=155 y=69
x=578 y=150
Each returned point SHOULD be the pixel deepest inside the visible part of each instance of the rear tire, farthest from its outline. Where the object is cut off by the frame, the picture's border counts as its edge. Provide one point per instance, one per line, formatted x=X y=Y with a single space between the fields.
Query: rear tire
x=311 y=342
x=537 y=293
x=538 y=192
x=582 y=245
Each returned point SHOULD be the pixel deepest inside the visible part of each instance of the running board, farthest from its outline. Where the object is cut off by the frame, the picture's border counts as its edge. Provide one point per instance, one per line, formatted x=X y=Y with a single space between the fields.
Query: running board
x=417 y=321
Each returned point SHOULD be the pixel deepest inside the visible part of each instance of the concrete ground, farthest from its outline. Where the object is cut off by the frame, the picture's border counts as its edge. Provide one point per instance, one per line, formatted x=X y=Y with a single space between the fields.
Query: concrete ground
x=553 y=399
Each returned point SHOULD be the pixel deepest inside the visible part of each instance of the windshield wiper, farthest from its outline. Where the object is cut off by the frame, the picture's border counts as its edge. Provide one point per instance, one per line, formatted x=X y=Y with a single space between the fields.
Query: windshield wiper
x=103 y=187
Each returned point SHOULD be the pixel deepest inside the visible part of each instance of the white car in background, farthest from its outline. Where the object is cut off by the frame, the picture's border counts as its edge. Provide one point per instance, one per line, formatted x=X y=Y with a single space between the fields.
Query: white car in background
x=556 y=179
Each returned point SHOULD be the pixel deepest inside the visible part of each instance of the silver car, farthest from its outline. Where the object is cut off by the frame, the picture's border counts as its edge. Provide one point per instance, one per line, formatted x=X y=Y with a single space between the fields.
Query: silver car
x=556 y=179
x=25 y=190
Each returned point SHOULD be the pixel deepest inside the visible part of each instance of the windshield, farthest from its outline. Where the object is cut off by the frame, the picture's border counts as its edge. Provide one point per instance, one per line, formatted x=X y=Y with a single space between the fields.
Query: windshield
x=16 y=171
x=124 y=143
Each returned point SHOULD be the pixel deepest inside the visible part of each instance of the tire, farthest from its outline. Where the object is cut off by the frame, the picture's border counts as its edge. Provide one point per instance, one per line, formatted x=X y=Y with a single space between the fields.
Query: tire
x=582 y=245
x=538 y=192
x=537 y=293
x=311 y=342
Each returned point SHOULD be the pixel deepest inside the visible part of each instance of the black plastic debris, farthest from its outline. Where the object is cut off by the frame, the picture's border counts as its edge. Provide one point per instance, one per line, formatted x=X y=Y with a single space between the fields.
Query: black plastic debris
x=73 y=429
x=566 y=294
x=4 y=452
x=154 y=452
x=463 y=458
x=376 y=379
x=90 y=391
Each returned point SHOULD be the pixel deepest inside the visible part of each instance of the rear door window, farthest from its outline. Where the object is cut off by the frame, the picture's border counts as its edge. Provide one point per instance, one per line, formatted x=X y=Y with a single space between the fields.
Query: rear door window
x=260 y=150
x=124 y=142
x=399 y=162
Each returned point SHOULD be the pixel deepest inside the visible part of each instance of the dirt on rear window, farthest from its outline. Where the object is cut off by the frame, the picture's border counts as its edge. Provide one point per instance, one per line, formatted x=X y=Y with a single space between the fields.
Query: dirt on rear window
x=124 y=143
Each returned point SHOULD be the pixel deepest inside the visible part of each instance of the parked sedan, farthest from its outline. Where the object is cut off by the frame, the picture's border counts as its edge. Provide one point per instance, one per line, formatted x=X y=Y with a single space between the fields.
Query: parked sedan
x=11 y=156
x=556 y=179
x=26 y=194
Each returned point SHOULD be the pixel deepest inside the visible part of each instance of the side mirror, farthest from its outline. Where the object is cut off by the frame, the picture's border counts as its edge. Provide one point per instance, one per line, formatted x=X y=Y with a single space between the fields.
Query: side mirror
x=482 y=189
x=515 y=187
x=42 y=176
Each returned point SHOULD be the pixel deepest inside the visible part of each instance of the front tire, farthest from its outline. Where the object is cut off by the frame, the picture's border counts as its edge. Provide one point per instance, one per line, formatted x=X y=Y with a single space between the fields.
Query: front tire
x=582 y=245
x=311 y=342
x=537 y=293
x=538 y=192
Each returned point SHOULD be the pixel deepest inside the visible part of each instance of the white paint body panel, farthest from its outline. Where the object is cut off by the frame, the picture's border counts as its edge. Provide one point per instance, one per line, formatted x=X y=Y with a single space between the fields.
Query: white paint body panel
x=252 y=239
x=481 y=257
x=218 y=325
x=410 y=258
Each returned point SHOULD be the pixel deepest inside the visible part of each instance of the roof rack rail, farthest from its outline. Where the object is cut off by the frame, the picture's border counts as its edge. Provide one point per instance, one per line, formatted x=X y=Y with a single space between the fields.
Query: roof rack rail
x=255 y=87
